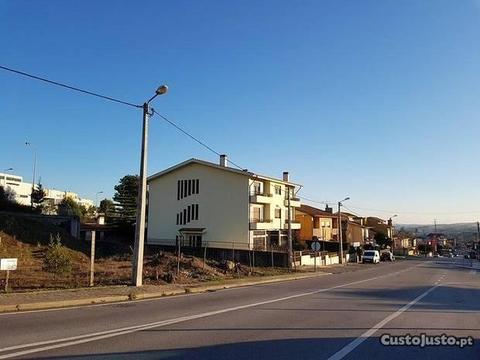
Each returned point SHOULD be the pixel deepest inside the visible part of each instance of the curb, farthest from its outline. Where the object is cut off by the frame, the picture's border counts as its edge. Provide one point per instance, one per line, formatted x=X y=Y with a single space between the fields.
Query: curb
x=143 y=296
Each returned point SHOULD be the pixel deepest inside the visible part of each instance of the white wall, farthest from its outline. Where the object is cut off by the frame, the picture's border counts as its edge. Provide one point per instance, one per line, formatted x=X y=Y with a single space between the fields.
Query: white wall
x=223 y=207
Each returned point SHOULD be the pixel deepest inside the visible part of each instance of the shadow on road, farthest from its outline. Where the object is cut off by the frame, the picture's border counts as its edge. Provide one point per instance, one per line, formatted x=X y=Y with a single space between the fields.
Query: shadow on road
x=304 y=348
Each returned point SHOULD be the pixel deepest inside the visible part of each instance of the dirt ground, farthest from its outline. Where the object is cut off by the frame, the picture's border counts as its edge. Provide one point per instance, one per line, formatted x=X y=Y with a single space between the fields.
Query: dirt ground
x=159 y=269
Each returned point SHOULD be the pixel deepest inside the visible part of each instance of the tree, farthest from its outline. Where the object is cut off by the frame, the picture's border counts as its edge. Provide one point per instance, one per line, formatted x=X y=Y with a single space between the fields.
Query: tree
x=126 y=197
x=57 y=258
x=38 y=196
x=69 y=207
x=382 y=240
x=7 y=196
x=107 y=207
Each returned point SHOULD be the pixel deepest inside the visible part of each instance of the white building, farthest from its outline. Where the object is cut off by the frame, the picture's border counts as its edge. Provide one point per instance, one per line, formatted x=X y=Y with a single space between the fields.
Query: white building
x=23 y=190
x=213 y=205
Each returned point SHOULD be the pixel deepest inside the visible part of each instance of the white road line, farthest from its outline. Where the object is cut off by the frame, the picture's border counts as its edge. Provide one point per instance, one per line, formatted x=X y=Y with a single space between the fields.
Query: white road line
x=351 y=346
x=80 y=339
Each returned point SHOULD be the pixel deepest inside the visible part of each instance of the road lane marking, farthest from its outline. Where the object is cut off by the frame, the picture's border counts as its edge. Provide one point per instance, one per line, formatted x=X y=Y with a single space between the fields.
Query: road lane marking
x=80 y=339
x=367 y=334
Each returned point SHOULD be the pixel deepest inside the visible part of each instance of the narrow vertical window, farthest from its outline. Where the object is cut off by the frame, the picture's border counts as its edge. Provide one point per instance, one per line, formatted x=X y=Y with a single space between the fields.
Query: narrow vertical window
x=188 y=213
x=178 y=189
x=185 y=185
x=181 y=189
x=196 y=211
x=198 y=185
x=194 y=187
x=184 y=216
x=177 y=219
x=181 y=219
x=189 y=187
x=193 y=212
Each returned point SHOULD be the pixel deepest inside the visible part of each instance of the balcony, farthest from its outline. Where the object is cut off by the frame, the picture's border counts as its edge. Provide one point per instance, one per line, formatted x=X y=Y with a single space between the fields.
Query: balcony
x=260 y=224
x=295 y=225
x=260 y=197
x=294 y=202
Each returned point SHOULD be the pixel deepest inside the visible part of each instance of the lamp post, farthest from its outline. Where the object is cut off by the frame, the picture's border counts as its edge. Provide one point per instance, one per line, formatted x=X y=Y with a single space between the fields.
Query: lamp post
x=5 y=177
x=391 y=230
x=137 y=264
x=96 y=197
x=340 y=235
x=27 y=143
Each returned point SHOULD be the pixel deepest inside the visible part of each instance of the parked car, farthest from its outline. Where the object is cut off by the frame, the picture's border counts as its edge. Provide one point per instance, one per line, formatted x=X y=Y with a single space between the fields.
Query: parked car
x=387 y=256
x=372 y=256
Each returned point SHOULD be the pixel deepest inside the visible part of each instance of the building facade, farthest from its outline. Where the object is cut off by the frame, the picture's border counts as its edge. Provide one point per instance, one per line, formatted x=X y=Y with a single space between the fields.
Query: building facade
x=201 y=204
x=315 y=223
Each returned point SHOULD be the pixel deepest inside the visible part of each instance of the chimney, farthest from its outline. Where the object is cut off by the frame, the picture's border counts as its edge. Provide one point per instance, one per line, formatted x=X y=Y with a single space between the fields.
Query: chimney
x=286 y=177
x=224 y=160
x=328 y=209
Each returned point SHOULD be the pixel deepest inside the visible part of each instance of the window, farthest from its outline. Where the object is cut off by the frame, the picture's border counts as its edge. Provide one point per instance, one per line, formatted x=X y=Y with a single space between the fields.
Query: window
x=185 y=185
x=181 y=218
x=257 y=214
x=189 y=187
x=196 y=211
x=188 y=213
x=278 y=213
x=278 y=190
x=257 y=187
x=178 y=190
x=316 y=223
x=198 y=186
x=184 y=216
x=178 y=219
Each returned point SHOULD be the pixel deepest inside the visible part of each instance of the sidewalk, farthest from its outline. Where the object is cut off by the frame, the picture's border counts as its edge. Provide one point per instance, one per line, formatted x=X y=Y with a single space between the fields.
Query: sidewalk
x=469 y=264
x=49 y=299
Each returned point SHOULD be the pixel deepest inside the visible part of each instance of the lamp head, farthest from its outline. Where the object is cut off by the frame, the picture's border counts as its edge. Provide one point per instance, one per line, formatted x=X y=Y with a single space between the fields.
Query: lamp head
x=162 y=90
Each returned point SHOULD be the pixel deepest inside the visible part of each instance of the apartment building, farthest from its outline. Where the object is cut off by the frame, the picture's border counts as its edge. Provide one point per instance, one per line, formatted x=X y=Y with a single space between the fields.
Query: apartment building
x=22 y=191
x=203 y=204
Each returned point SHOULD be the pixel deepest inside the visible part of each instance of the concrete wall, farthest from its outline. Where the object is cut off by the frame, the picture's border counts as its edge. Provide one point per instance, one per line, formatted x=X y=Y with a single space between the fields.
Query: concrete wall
x=223 y=201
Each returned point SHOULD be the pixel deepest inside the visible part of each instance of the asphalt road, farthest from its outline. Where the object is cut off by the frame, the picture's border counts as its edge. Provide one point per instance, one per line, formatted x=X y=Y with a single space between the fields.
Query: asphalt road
x=341 y=316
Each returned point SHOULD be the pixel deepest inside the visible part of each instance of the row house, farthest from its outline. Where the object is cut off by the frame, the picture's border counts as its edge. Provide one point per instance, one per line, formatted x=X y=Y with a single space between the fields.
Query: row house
x=315 y=223
x=202 y=204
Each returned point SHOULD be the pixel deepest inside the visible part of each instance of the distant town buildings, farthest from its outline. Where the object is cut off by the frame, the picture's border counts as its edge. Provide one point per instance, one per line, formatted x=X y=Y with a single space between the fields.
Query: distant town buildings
x=22 y=192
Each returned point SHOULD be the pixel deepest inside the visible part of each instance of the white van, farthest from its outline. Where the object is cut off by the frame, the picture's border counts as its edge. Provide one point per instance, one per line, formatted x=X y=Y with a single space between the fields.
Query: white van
x=372 y=256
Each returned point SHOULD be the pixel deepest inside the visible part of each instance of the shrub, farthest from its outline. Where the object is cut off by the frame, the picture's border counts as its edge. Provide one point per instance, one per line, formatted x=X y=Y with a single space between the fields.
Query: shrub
x=57 y=258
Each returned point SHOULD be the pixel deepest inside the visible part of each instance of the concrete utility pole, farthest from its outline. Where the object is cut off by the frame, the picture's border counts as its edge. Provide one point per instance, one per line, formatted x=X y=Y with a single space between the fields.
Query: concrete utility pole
x=340 y=235
x=290 y=246
x=34 y=170
x=392 y=230
x=137 y=265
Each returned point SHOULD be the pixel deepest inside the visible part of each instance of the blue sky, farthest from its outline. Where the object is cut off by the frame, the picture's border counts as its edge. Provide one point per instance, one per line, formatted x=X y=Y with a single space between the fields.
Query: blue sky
x=376 y=100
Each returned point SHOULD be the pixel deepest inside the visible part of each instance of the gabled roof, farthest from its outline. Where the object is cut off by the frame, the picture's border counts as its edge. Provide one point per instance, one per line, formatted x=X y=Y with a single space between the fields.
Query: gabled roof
x=313 y=211
x=216 y=166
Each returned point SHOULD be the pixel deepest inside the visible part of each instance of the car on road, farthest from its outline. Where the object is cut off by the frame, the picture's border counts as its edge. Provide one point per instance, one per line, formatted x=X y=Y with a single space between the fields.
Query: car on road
x=387 y=256
x=372 y=256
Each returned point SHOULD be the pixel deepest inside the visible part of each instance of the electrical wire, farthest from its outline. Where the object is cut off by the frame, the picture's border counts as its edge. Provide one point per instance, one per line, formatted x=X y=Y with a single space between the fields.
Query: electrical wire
x=193 y=137
x=51 y=82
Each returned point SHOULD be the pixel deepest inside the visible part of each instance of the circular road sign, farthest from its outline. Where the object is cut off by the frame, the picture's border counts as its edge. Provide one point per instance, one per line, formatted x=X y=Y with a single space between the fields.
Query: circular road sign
x=315 y=246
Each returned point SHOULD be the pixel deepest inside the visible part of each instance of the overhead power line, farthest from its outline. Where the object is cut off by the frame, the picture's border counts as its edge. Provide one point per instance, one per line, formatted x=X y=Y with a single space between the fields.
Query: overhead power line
x=194 y=138
x=56 y=83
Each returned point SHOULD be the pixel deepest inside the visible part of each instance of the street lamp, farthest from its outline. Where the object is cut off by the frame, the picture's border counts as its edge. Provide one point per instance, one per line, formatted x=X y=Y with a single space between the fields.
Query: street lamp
x=9 y=169
x=340 y=235
x=391 y=230
x=96 y=197
x=137 y=262
x=27 y=143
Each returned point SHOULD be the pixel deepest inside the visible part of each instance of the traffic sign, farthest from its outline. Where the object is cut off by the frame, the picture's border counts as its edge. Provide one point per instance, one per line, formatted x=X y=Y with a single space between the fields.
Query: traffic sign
x=315 y=246
x=8 y=264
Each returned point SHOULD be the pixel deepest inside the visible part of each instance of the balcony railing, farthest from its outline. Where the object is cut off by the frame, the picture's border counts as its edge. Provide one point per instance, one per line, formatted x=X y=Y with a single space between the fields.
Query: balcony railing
x=261 y=193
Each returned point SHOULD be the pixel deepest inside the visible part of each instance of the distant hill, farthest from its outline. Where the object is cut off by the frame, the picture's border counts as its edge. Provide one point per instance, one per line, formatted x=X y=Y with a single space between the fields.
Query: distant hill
x=460 y=231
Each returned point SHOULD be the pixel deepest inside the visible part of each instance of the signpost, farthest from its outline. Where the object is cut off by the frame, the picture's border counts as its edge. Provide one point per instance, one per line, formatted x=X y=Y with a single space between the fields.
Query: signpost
x=315 y=247
x=7 y=265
